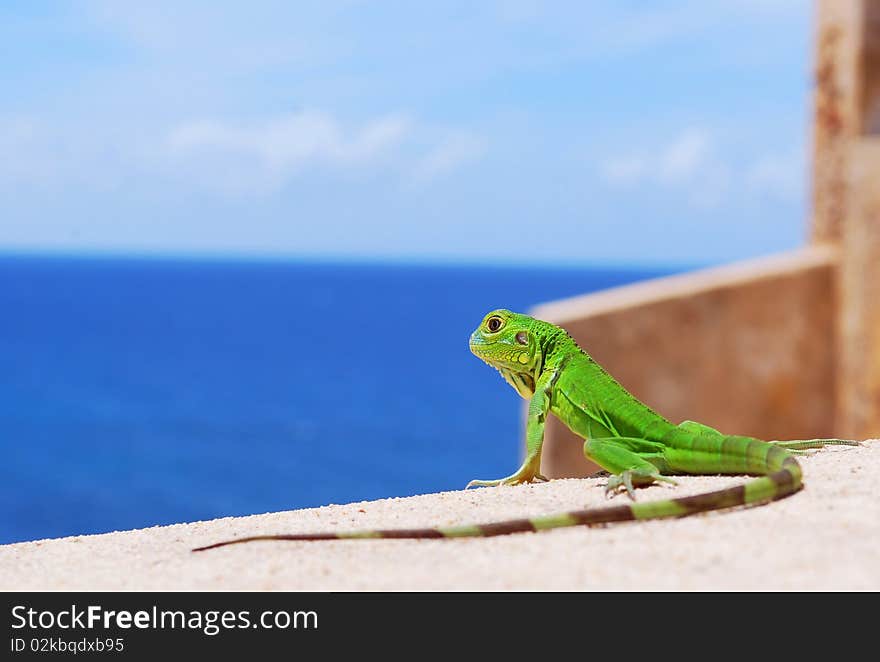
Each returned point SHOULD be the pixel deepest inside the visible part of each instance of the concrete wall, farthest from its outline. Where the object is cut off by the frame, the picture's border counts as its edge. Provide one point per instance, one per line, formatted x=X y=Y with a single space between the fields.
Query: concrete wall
x=747 y=348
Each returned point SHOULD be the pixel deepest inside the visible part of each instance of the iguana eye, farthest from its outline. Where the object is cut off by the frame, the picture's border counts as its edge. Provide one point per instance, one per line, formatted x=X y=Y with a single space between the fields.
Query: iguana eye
x=494 y=323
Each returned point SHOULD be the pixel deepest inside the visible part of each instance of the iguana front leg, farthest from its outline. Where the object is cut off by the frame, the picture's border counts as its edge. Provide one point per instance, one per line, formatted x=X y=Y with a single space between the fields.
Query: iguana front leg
x=530 y=470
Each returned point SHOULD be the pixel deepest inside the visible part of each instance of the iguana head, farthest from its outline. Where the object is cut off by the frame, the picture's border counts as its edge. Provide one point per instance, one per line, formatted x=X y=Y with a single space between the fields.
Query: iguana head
x=509 y=342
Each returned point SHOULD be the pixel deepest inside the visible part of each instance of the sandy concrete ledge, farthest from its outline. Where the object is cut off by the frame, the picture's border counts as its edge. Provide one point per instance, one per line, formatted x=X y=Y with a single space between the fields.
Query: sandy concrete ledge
x=825 y=537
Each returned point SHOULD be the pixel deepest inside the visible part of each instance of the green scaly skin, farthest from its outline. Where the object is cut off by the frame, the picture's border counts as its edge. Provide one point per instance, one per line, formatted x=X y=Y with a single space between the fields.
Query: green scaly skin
x=623 y=436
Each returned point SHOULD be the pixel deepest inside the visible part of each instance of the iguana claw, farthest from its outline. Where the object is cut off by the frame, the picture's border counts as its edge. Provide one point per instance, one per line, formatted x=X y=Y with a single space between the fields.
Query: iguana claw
x=510 y=480
x=527 y=473
x=516 y=479
x=625 y=479
x=617 y=481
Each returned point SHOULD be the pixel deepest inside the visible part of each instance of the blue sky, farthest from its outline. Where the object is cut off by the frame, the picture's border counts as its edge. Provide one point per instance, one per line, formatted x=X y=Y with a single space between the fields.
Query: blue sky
x=507 y=131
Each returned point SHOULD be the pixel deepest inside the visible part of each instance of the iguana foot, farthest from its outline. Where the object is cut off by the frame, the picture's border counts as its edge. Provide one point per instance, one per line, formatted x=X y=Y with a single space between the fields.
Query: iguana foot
x=630 y=478
x=521 y=476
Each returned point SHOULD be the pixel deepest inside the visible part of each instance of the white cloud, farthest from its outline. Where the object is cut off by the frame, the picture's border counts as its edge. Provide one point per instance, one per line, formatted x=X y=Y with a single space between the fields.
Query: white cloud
x=685 y=156
x=450 y=153
x=694 y=166
x=687 y=164
x=289 y=142
x=782 y=176
x=256 y=157
x=274 y=150
x=262 y=156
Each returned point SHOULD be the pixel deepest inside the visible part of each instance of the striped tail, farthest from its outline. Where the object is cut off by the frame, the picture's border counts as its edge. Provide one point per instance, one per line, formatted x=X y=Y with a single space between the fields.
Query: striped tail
x=783 y=479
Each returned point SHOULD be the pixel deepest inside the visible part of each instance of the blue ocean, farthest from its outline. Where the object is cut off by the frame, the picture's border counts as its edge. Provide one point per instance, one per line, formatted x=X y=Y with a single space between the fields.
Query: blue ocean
x=138 y=392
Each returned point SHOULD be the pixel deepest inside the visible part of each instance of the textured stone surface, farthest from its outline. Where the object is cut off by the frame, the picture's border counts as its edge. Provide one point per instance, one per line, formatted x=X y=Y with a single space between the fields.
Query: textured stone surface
x=859 y=321
x=870 y=70
x=838 y=115
x=824 y=537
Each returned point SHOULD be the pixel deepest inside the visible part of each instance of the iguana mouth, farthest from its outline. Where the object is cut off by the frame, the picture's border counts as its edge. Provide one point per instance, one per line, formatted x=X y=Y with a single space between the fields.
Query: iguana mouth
x=478 y=348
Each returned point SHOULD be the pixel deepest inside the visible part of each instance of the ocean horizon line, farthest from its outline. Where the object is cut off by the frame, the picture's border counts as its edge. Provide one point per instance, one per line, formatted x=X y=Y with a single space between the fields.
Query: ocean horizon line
x=345 y=260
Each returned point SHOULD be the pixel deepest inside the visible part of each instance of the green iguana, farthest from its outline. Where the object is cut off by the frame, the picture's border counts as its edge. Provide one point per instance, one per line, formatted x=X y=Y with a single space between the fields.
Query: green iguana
x=623 y=436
